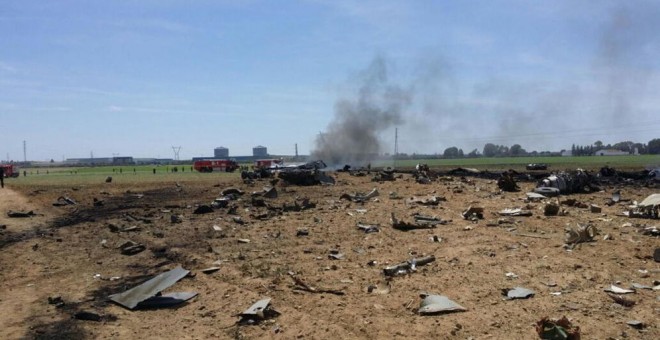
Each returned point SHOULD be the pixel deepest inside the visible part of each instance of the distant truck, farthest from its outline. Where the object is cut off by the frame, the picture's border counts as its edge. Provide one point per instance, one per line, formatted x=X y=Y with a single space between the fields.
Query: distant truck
x=268 y=163
x=217 y=165
x=10 y=170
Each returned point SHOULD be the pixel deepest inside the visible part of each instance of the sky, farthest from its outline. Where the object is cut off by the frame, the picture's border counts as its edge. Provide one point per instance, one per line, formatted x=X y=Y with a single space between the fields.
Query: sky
x=134 y=78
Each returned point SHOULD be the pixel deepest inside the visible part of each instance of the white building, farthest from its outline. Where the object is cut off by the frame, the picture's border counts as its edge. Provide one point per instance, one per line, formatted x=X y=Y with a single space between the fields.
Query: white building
x=610 y=152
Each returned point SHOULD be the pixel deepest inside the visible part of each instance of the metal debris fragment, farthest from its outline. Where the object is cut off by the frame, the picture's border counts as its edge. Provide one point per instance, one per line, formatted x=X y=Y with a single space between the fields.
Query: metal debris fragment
x=517 y=293
x=149 y=290
x=584 y=233
x=408 y=266
x=436 y=304
x=259 y=311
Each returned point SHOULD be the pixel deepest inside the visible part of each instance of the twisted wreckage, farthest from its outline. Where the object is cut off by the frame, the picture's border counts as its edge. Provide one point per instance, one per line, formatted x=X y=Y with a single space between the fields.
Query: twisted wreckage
x=310 y=173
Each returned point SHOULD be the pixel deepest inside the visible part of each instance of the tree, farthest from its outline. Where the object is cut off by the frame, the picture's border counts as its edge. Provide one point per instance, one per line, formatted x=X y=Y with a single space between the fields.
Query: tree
x=490 y=150
x=473 y=154
x=517 y=150
x=598 y=144
x=460 y=153
x=451 y=152
x=654 y=146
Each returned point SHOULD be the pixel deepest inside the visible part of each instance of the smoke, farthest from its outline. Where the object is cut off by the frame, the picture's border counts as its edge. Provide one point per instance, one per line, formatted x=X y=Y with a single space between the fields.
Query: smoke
x=353 y=136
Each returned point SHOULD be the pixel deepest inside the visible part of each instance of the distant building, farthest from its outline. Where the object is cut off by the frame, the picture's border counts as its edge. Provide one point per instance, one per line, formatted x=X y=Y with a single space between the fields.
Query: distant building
x=221 y=152
x=610 y=152
x=123 y=161
x=259 y=151
x=566 y=153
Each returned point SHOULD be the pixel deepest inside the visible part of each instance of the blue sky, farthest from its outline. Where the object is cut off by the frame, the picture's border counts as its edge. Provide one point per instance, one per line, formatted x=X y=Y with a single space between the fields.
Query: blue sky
x=137 y=77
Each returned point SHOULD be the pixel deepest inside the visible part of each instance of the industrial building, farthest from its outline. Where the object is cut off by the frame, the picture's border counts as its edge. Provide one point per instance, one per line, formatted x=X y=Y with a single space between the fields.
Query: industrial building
x=259 y=151
x=221 y=152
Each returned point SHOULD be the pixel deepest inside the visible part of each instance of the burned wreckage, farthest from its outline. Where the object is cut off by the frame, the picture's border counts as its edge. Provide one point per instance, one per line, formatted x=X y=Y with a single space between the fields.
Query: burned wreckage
x=567 y=183
x=310 y=173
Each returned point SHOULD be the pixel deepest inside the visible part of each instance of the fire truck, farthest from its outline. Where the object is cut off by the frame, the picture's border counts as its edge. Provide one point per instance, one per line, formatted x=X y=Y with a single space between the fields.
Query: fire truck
x=10 y=170
x=211 y=165
x=267 y=163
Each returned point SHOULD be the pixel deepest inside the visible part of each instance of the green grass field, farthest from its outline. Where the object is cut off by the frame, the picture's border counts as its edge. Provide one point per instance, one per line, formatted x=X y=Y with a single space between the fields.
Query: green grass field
x=144 y=173
x=555 y=163
x=120 y=174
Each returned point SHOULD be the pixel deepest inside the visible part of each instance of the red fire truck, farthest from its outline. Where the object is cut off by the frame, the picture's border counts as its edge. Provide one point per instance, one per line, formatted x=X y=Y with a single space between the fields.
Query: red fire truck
x=210 y=165
x=267 y=163
x=10 y=170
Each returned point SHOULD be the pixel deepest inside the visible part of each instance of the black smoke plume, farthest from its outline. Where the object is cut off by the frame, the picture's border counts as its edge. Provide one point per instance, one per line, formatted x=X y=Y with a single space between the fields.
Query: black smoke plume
x=353 y=136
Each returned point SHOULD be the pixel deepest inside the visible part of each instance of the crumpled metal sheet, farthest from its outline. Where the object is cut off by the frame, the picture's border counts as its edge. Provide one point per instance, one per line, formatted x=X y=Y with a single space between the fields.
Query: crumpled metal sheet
x=584 y=233
x=134 y=296
x=167 y=300
x=650 y=201
x=433 y=304
x=518 y=293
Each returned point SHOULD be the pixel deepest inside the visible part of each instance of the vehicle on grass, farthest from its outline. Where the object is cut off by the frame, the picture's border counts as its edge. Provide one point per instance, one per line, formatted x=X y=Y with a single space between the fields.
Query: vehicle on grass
x=268 y=163
x=10 y=170
x=215 y=165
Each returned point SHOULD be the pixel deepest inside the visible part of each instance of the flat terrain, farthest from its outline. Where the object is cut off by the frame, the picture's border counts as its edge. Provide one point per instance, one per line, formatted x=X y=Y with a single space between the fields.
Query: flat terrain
x=71 y=251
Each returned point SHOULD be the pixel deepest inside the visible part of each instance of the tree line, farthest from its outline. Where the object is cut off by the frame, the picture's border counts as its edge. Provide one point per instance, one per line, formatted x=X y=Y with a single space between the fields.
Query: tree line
x=516 y=150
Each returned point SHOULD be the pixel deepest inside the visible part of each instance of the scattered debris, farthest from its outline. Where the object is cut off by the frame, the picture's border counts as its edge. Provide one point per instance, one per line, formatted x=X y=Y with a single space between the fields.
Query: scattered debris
x=507 y=182
x=547 y=191
x=618 y=290
x=335 y=255
x=20 y=214
x=584 y=233
x=429 y=200
x=560 y=329
x=56 y=300
x=517 y=293
x=636 y=324
x=203 y=209
x=369 y=228
x=359 y=197
x=473 y=213
x=551 y=209
x=515 y=212
x=656 y=255
x=621 y=300
x=108 y=179
x=532 y=196
x=64 y=200
x=436 y=304
x=259 y=311
x=536 y=166
x=429 y=220
x=569 y=182
x=131 y=248
x=176 y=219
x=595 y=209
x=408 y=266
x=381 y=291
x=210 y=270
x=301 y=285
x=418 y=224
x=648 y=208
x=147 y=294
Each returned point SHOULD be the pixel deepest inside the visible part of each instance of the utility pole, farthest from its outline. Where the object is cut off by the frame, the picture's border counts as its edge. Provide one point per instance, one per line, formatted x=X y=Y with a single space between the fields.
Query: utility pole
x=396 y=144
x=24 y=152
x=296 y=151
x=176 y=150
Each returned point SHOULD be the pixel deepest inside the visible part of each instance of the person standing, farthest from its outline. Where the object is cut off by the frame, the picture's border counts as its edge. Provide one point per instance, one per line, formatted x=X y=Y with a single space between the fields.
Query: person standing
x=2 y=177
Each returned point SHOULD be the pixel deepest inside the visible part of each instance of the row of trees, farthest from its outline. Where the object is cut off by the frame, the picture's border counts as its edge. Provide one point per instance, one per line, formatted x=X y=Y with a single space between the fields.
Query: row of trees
x=516 y=150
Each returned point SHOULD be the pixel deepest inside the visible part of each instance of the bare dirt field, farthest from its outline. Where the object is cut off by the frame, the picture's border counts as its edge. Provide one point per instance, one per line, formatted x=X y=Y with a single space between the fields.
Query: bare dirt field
x=72 y=251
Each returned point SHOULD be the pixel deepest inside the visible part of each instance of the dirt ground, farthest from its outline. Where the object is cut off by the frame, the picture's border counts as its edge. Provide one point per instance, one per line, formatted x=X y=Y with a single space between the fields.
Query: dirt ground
x=60 y=251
